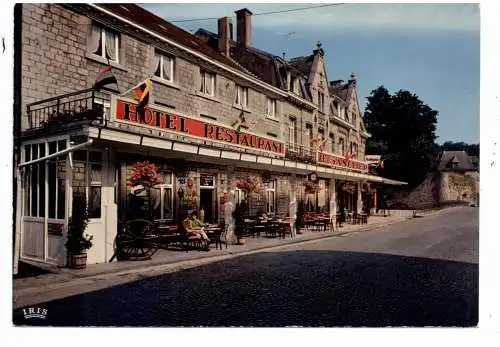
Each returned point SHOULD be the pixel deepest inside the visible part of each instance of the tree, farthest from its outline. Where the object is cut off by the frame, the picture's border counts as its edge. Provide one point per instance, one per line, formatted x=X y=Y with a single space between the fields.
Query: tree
x=403 y=132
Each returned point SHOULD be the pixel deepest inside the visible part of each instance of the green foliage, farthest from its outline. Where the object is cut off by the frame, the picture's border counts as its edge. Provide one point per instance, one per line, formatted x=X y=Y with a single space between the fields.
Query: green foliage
x=403 y=132
x=77 y=242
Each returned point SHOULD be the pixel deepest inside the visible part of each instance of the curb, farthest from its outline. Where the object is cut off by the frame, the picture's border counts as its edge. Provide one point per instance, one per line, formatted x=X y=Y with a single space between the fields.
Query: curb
x=201 y=260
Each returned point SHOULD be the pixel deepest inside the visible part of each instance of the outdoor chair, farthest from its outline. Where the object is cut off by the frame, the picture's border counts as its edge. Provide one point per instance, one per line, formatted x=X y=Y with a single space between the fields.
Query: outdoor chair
x=221 y=238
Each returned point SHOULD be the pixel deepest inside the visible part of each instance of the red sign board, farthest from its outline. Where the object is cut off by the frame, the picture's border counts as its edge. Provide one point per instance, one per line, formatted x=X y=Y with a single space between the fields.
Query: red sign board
x=334 y=160
x=125 y=111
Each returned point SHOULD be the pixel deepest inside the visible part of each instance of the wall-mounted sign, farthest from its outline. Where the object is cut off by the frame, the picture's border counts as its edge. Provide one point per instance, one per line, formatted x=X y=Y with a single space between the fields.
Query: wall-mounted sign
x=125 y=111
x=207 y=180
x=334 y=160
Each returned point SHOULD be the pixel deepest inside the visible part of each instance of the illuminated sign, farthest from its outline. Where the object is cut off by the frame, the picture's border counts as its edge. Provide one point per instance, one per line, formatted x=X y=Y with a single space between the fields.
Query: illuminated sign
x=342 y=162
x=125 y=111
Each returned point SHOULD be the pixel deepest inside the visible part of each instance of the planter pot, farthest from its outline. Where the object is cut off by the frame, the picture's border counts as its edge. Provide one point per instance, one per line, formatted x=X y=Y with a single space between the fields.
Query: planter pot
x=242 y=241
x=300 y=232
x=78 y=261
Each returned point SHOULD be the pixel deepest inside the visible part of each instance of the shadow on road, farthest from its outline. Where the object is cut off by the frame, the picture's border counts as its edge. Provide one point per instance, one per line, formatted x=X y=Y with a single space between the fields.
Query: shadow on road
x=300 y=288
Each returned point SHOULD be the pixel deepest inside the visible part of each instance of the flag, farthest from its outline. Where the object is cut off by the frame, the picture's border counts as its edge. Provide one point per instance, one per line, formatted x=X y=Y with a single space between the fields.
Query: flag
x=381 y=164
x=322 y=145
x=142 y=92
x=104 y=78
x=238 y=123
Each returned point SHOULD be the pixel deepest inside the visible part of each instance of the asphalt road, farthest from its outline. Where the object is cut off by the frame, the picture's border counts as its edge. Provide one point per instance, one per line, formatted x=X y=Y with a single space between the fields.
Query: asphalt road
x=422 y=272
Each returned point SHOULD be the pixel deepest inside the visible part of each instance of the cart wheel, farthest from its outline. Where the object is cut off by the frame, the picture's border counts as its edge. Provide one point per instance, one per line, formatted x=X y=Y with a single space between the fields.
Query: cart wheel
x=137 y=240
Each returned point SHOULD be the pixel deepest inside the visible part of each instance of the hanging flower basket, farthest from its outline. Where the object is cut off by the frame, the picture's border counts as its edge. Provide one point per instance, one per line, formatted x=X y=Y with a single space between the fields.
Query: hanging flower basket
x=250 y=184
x=311 y=187
x=145 y=174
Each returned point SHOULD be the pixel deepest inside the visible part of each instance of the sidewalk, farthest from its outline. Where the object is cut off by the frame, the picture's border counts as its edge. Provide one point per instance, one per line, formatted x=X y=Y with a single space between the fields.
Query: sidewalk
x=166 y=257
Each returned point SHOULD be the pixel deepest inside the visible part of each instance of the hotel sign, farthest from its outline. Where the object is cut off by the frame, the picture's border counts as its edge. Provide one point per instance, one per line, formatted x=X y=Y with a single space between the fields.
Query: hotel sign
x=334 y=160
x=125 y=111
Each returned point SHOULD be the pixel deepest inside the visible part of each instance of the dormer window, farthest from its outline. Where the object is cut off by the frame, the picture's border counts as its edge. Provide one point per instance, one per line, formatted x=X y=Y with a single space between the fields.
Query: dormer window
x=293 y=84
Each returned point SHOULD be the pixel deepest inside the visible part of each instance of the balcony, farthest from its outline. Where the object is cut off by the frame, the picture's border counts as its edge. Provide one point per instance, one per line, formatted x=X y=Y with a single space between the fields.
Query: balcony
x=300 y=153
x=86 y=105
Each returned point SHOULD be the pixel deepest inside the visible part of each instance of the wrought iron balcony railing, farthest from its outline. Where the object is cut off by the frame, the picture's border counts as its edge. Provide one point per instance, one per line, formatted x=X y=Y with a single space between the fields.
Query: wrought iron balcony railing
x=302 y=154
x=83 y=105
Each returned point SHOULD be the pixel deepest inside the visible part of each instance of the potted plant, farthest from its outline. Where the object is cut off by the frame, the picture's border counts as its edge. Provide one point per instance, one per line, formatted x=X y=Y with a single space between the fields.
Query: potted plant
x=239 y=222
x=300 y=221
x=145 y=175
x=78 y=242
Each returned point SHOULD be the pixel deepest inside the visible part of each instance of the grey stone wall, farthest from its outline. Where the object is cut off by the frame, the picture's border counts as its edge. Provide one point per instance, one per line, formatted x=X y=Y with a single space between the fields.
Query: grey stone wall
x=55 y=62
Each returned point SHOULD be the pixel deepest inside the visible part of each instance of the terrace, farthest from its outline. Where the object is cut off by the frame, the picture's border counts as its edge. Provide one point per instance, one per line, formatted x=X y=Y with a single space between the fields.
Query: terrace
x=87 y=105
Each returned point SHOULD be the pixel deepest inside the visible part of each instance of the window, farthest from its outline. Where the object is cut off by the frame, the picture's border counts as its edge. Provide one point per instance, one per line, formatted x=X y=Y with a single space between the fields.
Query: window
x=45 y=181
x=241 y=96
x=106 y=107
x=310 y=134
x=271 y=196
x=321 y=138
x=164 y=66
x=332 y=143
x=341 y=146
x=292 y=132
x=105 y=43
x=321 y=101
x=272 y=110
x=293 y=84
x=87 y=179
x=239 y=196
x=162 y=198
x=207 y=83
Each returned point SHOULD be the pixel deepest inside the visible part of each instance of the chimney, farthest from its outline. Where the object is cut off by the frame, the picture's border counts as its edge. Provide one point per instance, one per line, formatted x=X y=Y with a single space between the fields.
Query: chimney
x=224 y=35
x=244 y=27
x=336 y=83
x=353 y=80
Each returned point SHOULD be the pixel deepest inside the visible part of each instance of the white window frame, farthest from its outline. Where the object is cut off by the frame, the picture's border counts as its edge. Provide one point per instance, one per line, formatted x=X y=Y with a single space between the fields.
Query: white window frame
x=207 y=79
x=272 y=108
x=43 y=165
x=162 y=59
x=107 y=107
x=104 y=30
x=239 y=196
x=241 y=96
x=271 y=190
x=88 y=183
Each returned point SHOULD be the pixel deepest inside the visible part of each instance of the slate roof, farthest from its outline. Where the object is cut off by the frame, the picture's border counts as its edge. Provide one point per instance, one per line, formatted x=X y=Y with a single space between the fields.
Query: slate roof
x=303 y=64
x=266 y=66
x=342 y=91
x=139 y=15
x=461 y=158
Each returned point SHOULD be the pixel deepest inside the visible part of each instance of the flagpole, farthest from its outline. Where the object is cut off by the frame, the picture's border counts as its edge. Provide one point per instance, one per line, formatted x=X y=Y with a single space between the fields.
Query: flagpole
x=137 y=85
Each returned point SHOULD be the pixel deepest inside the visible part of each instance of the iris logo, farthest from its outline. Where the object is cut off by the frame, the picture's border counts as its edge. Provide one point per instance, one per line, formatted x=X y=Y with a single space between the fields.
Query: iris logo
x=33 y=312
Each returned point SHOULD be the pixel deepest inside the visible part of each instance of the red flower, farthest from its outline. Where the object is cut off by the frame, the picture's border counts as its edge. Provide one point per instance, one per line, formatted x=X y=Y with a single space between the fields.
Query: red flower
x=145 y=174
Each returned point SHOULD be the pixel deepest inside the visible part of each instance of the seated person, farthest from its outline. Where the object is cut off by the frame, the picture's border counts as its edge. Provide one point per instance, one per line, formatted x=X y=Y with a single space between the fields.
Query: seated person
x=194 y=226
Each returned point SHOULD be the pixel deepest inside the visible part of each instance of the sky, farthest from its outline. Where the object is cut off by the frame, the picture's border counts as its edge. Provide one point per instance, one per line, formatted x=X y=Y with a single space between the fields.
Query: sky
x=432 y=50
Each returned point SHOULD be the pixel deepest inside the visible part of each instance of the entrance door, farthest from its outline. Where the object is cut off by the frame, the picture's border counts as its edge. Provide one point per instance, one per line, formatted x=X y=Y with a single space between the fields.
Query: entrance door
x=207 y=204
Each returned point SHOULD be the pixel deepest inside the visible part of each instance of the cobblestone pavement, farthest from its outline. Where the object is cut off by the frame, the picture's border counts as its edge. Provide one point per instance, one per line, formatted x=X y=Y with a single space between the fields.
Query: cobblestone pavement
x=423 y=272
